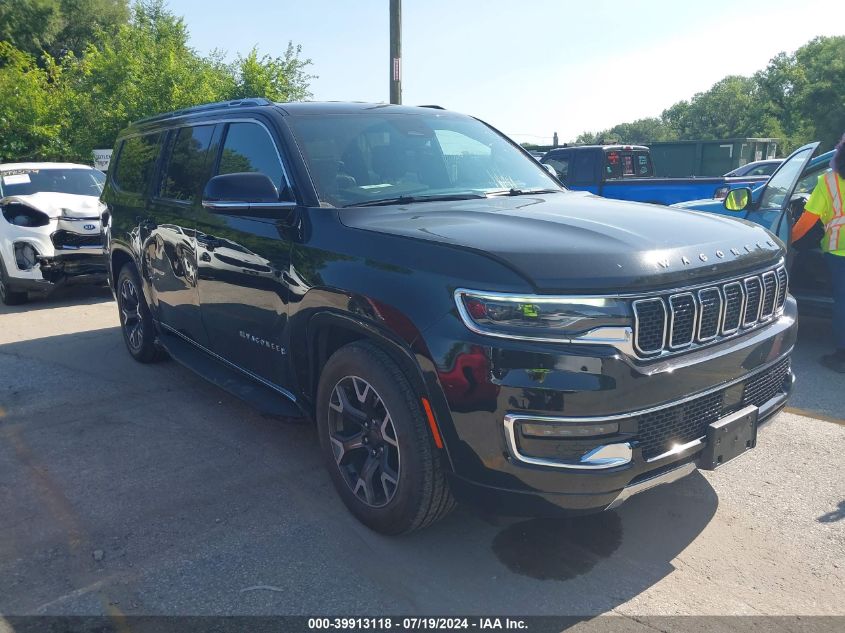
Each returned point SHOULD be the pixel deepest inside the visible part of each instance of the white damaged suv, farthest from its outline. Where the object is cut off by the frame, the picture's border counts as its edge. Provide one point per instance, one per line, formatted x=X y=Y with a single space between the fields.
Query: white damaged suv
x=51 y=229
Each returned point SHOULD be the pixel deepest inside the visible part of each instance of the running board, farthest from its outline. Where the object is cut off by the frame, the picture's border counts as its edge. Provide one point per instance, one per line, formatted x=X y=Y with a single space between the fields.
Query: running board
x=264 y=398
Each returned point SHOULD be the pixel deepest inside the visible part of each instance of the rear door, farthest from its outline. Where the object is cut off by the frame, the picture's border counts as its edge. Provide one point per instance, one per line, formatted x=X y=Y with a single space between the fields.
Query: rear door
x=585 y=172
x=242 y=261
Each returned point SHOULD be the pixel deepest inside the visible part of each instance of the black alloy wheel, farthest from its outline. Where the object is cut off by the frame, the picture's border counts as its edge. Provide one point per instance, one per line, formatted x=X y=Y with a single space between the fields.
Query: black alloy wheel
x=8 y=296
x=377 y=444
x=136 y=322
x=363 y=440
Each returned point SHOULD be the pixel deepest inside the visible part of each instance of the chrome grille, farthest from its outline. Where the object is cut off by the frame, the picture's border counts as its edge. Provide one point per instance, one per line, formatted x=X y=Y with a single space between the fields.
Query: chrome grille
x=710 y=306
x=650 y=325
x=681 y=320
x=770 y=291
x=782 y=284
x=734 y=307
x=753 y=292
x=674 y=322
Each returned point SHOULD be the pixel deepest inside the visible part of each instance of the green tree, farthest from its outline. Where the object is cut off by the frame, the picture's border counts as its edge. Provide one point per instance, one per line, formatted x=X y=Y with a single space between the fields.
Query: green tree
x=281 y=78
x=57 y=27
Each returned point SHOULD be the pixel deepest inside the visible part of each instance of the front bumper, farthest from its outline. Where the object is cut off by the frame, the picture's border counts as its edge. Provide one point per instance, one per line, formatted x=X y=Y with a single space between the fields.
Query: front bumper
x=489 y=386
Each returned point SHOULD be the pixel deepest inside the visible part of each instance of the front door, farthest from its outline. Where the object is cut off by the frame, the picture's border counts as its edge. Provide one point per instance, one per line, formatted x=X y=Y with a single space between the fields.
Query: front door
x=240 y=264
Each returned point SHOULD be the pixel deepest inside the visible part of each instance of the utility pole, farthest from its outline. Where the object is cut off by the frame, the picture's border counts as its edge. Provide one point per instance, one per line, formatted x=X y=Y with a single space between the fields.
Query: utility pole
x=395 y=51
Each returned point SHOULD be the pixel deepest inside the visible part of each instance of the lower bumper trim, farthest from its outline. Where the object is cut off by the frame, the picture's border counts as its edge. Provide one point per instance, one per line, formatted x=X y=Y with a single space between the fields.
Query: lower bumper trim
x=666 y=477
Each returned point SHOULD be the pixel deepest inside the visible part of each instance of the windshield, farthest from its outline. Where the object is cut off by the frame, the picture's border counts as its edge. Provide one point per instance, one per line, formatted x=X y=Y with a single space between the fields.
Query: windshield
x=23 y=182
x=362 y=158
x=781 y=182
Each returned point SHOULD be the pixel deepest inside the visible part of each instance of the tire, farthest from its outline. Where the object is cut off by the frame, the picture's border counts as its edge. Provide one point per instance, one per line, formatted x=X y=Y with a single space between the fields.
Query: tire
x=408 y=487
x=136 y=321
x=8 y=296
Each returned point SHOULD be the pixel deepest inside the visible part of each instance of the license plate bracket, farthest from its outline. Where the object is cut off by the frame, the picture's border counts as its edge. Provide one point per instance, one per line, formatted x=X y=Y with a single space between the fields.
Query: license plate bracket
x=729 y=437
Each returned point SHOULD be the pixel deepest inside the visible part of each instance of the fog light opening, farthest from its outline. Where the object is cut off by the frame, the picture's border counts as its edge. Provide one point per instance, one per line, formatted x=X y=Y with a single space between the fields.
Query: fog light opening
x=26 y=257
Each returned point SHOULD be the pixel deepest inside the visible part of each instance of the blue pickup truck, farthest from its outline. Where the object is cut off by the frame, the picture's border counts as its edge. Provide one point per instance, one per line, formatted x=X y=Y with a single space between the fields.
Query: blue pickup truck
x=626 y=172
x=776 y=205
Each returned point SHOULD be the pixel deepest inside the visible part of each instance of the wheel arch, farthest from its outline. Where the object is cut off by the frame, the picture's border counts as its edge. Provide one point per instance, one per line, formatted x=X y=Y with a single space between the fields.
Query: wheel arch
x=328 y=331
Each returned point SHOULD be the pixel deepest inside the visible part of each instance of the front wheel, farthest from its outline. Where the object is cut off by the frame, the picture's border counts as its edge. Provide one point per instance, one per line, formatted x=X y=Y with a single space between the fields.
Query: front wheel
x=136 y=322
x=8 y=296
x=376 y=443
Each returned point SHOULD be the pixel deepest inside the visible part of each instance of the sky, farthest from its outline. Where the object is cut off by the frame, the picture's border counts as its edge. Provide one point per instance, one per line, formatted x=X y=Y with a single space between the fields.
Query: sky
x=529 y=68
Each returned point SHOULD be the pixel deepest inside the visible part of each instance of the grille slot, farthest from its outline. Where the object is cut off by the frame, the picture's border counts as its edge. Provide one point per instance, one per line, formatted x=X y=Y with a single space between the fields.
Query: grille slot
x=770 y=289
x=783 y=283
x=710 y=302
x=734 y=308
x=681 y=319
x=66 y=239
x=650 y=318
x=753 y=293
x=659 y=431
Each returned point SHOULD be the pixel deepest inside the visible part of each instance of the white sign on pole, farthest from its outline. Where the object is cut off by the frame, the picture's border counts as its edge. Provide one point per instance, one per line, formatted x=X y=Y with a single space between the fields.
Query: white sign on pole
x=102 y=158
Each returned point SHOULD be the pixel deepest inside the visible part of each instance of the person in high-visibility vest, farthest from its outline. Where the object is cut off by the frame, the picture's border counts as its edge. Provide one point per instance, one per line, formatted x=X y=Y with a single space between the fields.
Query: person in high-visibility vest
x=827 y=204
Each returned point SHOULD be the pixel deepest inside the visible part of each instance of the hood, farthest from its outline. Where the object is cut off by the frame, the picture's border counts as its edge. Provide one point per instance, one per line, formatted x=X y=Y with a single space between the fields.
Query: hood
x=57 y=205
x=573 y=242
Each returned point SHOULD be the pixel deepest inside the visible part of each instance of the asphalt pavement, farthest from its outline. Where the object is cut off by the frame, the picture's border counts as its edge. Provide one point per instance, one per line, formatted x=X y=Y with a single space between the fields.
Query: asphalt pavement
x=140 y=489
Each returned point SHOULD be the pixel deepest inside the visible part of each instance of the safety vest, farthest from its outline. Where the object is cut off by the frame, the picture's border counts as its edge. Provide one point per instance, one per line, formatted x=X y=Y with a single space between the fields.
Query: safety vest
x=834 y=235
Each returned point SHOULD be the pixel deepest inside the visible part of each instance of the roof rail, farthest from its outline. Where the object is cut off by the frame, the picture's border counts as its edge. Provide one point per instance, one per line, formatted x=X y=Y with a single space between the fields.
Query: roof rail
x=436 y=107
x=207 y=107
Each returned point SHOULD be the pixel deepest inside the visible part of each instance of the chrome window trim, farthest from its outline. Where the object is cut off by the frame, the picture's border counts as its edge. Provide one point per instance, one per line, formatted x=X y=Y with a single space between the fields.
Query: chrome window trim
x=756 y=320
x=671 y=345
x=763 y=297
x=637 y=326
x=742 y=300
x=719 y=316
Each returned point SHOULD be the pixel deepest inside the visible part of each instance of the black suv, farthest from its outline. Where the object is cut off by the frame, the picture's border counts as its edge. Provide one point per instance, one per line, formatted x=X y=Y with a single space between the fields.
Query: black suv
x=458 y=324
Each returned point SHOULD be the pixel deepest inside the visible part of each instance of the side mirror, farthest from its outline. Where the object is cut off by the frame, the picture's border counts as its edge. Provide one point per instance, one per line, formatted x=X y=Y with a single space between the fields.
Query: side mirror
x=246 y=193
x=738 y=199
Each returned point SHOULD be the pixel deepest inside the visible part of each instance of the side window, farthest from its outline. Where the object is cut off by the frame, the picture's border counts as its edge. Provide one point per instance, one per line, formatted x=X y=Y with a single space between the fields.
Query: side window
x=582 y=168
x=249 y=148
x=186 y=164
x=136 y=163
x=560 y=162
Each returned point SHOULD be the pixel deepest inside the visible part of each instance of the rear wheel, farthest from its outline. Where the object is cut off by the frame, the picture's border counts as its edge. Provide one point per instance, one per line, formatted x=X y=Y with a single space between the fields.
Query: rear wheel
x=8 y=296
x=376 y=442
x=136 y=322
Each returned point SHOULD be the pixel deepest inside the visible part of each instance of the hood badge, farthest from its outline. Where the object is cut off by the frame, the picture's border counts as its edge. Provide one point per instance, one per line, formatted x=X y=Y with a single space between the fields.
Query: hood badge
x=665 y=262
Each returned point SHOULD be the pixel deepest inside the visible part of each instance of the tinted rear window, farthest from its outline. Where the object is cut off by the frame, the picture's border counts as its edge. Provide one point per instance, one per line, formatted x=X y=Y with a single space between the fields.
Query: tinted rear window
x=136 y=162
x=622 y=163
x=186 y=165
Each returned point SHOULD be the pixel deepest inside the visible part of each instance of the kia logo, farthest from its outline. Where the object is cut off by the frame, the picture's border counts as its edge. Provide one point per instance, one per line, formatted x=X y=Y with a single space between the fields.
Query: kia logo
x=89 y=227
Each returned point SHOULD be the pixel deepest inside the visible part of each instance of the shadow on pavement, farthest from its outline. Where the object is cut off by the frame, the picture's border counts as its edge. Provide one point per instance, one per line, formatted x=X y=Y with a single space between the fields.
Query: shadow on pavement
x=143 y=486
x=63 y=296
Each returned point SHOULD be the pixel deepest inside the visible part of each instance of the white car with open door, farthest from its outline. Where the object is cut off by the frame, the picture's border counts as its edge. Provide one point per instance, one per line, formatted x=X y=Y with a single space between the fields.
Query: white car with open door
x=51 y=228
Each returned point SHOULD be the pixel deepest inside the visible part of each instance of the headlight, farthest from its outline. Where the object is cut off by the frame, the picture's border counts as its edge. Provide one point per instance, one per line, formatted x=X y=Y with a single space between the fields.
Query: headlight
x=539 y=317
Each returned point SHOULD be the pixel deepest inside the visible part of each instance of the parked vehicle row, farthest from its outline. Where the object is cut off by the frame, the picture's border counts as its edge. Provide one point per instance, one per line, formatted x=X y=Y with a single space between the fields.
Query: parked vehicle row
x=459 y=325
x=626 y=172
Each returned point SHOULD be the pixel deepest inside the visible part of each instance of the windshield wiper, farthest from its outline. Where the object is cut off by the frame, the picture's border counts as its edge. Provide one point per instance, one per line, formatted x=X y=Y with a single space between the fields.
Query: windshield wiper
x=412 y=199
x=513 y=191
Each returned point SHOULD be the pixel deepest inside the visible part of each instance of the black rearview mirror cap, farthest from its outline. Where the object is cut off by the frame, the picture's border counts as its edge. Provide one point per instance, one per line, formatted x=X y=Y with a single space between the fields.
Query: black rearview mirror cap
x=738 y=199
x=241 y=187
x=246 y=193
